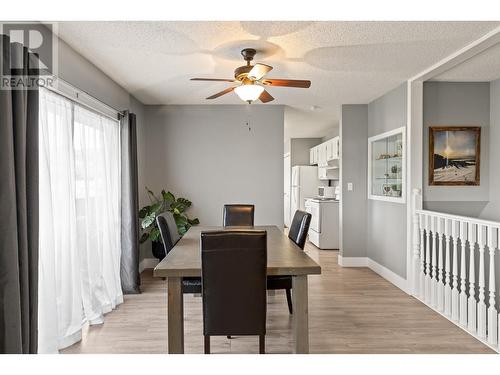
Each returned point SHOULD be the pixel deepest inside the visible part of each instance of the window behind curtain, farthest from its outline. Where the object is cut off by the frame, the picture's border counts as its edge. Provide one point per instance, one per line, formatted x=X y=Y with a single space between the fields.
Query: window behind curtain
x=80 y=219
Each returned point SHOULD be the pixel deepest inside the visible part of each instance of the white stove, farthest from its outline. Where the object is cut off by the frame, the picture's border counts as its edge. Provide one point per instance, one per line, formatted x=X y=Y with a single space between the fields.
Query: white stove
x=324 y=228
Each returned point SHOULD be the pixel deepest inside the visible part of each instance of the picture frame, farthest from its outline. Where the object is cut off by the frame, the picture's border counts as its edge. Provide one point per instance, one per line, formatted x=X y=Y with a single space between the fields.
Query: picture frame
x=454 y=155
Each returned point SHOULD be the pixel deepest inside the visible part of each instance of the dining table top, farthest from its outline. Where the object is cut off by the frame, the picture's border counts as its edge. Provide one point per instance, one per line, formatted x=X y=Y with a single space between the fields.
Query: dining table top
x=284 y=257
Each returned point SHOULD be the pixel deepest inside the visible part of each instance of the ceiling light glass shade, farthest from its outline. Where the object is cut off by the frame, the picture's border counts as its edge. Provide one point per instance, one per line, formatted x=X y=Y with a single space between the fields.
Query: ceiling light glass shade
x=249 y=93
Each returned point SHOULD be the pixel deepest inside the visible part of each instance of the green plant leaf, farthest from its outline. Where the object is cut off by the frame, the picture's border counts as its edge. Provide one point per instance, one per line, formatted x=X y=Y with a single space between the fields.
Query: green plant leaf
x=156 y=207
x=154 y=235
x=194 y=221
x=185 y=202
x=182 y=230
x=169 y=197
x=148 y=220
x=144 y=211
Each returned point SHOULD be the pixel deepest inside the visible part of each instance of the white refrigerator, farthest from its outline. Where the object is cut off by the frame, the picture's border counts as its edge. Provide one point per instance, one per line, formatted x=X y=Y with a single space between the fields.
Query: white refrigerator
x=305 y=184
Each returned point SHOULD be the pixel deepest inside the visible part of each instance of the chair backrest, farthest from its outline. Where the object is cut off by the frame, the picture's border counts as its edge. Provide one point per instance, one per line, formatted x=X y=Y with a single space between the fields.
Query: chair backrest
x=299 y=228
x=168 y=230
x=238 y=215
x=233 y=274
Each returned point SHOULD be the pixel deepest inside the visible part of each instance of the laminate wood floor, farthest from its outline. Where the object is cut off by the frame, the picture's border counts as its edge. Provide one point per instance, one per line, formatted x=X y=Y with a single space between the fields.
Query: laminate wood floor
x=351 y=310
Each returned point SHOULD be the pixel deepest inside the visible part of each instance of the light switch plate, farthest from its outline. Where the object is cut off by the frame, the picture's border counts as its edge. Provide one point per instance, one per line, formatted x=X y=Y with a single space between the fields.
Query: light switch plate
x=349 y=186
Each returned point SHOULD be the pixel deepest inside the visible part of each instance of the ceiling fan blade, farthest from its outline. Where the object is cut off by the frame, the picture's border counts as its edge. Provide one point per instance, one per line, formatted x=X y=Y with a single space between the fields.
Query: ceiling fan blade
x=258 y=71
x=288 y=83
x=265 y=97
x=213 y=79
x=226 y=91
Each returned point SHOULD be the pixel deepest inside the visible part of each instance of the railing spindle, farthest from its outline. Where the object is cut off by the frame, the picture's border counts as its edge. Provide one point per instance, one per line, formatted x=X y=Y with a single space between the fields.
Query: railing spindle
x=481 y=306
x=434 y=262
x=440 y=276
x=463 y=274
x=454 y=287
x=447 y=282
x=472 y=303
x=427 y=260
x=492 y=311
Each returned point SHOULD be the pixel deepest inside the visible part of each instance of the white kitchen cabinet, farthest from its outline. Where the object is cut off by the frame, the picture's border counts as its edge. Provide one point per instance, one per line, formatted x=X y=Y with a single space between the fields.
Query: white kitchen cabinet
x=314 y=155
x=329 y=150
x=325 y=153
x=332 y=147
x=322 y=155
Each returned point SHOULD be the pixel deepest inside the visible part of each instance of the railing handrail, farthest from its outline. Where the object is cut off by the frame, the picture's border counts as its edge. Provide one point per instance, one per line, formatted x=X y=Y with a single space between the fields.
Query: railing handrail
x=467 y=219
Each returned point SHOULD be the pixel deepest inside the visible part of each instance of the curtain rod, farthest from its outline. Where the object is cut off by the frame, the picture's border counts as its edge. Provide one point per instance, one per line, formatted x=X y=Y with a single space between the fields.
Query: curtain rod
x=78 y=92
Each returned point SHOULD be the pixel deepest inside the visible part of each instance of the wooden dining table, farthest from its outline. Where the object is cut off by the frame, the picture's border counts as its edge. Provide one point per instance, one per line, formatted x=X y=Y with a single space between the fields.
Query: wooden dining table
x=284 y=257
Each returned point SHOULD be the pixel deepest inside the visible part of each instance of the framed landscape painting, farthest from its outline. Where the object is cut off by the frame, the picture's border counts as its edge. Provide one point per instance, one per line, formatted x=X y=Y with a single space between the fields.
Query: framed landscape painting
x=454 y=155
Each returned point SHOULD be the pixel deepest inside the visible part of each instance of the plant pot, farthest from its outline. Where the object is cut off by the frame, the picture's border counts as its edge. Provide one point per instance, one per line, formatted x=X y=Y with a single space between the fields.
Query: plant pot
x=158 y=250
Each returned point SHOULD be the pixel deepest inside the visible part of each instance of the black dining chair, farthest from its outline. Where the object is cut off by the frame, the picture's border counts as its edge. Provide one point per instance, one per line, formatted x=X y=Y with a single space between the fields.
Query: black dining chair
x=170 y=236
x=229 y=307
x=298 y=234
x=241 y=215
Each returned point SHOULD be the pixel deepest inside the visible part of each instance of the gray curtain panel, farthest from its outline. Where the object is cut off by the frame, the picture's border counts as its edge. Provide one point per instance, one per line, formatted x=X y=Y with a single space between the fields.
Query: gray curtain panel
x=18 y=206
x=129 y=267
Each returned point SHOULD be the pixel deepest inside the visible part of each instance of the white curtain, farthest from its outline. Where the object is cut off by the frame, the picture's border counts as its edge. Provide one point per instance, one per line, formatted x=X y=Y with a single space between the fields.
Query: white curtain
x=79 y=267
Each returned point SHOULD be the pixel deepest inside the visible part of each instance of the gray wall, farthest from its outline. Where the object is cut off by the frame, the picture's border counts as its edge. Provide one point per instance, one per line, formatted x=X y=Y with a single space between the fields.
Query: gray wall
x=386 y=221
x=353 y=135
x=208 y=155
x=331 y=133
x=492 y=209
x=457 y=103
x=299 y=150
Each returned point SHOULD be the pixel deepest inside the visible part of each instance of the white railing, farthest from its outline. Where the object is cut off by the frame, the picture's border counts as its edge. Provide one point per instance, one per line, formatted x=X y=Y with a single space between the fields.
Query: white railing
x=454 y=270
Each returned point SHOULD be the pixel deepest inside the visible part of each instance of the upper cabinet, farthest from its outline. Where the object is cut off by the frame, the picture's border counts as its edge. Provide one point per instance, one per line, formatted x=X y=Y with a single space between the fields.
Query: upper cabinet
x=325 y=153
x=314 y=155
x=332 y=149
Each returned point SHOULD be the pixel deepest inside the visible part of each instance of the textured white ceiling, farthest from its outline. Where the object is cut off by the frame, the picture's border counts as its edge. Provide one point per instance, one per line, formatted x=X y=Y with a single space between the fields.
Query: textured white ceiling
x=347 y=62
x=484 y=67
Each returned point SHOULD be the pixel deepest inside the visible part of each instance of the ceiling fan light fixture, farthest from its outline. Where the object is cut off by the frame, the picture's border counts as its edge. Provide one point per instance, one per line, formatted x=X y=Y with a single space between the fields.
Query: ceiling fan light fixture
x=249 y=93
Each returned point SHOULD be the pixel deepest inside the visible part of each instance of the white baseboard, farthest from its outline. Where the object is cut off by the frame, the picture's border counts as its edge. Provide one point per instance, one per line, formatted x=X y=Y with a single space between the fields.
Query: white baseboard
x=147 y=263
x=381 y=270
x=387 y=274
x=353 y=261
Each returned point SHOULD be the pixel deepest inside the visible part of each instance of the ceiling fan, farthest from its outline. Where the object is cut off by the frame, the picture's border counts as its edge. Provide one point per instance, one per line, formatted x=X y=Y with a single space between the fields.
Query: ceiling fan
x=251 y=79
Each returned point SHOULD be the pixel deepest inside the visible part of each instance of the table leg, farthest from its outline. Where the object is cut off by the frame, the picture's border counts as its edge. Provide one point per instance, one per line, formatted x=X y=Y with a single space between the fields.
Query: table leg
x=300 y=315
x=175 y=309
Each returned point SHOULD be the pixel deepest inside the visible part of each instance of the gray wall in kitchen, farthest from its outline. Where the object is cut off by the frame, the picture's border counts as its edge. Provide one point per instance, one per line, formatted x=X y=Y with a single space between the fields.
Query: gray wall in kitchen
x=331 y=133
x=299 y=150
x=492 y=209
x=353 y=135
x=453 y=104
x=207 y=154
x=386 y=221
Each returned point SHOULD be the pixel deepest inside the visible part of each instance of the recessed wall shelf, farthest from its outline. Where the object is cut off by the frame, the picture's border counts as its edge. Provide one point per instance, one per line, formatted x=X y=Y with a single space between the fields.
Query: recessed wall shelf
x=387 y=166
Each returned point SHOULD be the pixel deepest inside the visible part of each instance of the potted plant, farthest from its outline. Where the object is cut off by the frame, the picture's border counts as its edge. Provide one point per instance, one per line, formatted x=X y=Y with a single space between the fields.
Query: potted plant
x=159 y=204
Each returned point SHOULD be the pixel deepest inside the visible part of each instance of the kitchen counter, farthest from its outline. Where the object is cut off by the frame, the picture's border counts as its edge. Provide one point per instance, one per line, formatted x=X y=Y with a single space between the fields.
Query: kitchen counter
x=323 y=200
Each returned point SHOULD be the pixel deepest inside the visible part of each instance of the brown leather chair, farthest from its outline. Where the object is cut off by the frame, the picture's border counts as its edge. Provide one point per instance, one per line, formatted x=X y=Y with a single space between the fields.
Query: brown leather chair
x=170 y=236
x=229 y=307
x=238 y=215
x=298 y=234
